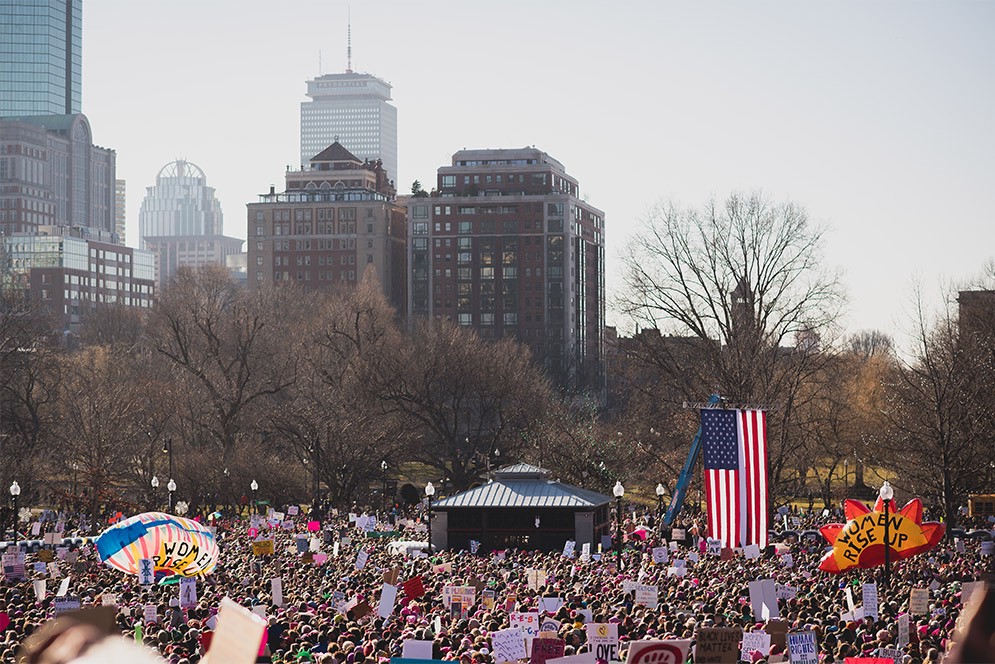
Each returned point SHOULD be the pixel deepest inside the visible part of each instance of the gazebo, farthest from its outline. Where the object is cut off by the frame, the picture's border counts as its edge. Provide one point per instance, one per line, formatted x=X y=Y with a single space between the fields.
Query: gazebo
x=521 y=507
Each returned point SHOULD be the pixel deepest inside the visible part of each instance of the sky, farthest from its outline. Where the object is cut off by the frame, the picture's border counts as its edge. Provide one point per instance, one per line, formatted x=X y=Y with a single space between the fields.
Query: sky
x=877 y=117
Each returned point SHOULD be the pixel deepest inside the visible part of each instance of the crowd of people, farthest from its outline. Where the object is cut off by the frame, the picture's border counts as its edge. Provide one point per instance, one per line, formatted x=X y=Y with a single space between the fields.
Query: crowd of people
x=329 y=608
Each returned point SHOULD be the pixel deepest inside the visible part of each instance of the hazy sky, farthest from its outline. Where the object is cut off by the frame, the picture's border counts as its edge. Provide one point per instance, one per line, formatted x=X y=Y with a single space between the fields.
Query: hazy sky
x=878 y=117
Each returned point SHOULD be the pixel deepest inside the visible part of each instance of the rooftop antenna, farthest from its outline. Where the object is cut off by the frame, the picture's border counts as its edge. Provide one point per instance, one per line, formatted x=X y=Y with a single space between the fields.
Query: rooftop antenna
x=348 y=50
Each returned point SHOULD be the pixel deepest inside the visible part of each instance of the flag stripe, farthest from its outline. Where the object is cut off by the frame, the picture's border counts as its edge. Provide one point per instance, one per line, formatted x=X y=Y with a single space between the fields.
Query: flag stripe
x=735 y=450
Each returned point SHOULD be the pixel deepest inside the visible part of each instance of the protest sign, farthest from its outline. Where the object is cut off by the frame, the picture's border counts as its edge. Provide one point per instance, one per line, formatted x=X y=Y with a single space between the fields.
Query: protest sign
x=544 y=649
x=526 y=622
x=787 y=560
x=802 y=648
x=293 y=510
x=550 y=605
x=778 y=630
x=508 y=645
x=264 y=547
x=903 y=630
x=568 y=548
x=413 y=587
x=536 y=578
x=892 y=654
x=276 y=590
x=678 y=534
x=763 y=599
x=63 y=587
x=656 y=652
x=786 y=592
x=149 y=614
x=465 y=595
x=40 y=591
x=648 y=596
x=660 y=555
x=870 y=600
x=547 y=624
x=65 y=604
x=603 y=639
x=239 y=635
x=361 y=558
x=583 y=658
x=188 y=592
x=388 y=596
x=717 y=645
x=754 y=642
x=751 y=551
x=108 y=599
x=415 y=649
x=987 y=548
x=714 y=547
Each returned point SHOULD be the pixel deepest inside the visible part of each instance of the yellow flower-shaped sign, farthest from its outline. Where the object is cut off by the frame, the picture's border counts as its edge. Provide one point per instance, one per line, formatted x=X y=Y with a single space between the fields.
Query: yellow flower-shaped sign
x=860 y=541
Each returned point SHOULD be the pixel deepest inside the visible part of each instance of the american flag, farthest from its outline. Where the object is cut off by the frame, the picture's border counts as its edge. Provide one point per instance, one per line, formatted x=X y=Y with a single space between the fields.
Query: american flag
x=734 y=444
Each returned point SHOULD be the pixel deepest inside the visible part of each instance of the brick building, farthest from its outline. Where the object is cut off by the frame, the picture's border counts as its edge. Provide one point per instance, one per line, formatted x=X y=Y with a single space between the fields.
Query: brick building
x=505 y=245
x=336 y=218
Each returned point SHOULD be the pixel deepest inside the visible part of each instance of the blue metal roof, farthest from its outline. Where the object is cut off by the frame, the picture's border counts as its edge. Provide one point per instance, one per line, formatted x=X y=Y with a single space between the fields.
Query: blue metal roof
x=524 y=493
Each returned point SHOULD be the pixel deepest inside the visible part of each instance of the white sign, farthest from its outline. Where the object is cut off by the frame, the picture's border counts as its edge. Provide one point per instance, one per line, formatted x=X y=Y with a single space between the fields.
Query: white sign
x=293 y=510
x=188 y=592
x=763 y=599
x=149 y=614
x=894 y=654
x=238 y=634
x=568 y=548
x=786 y=592
x=603 y=638
x=648 y=596
x=525 y=622
x=751 y=551
x=660 y=555
x=550 y=605
x=146 y=572
x=583 y=658
x=802 y=648
x=787 y=560
x=903 y=630
x=754 y=641
x=464 y=595
x=415 y=649
x=388 y=596
x=987 y=548
x=677 y=534
x=969 y=588
x=508 y=645
x=362 y=558
x=66 y=604
x=871 y=600
x=714 y=547
x=39 y=587
x=547 y=624
x=276 y=590
x=63 y=588
x=108 y=599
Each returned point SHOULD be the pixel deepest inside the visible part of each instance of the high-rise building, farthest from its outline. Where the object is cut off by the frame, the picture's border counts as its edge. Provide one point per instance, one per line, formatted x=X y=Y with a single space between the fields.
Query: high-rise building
x=355 y=110
x=336 y=219
x=181 y=221
x=120 y=210
x=40 y=57
x=53 y=175
x=507 y=247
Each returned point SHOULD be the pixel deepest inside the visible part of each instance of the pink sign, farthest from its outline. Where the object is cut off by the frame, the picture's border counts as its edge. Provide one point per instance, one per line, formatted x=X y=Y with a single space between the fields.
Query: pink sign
x=4 y=620
x=253 y=532
x=320 y=558
x=313 y=526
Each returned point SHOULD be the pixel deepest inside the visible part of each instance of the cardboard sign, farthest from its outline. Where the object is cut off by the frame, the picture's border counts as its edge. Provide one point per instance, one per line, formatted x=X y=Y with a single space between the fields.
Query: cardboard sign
x=717 y=645
x=544 y=649
x=263 y=548
x=778 y=630
x=508 y=645
x=754 y=642
x=536 y=578
x=239 y=635
x=45 y=555
x=802 y=648
x=603 y=639
x=674 y=651
x=414 y=587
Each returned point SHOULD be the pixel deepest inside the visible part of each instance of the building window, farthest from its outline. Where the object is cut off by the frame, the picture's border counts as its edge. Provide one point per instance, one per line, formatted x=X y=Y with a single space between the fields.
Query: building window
x=419 y=212
x=448 y=181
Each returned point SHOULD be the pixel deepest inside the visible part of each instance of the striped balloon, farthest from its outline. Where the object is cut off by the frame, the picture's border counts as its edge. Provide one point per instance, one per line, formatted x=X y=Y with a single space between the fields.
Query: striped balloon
x=173 y=543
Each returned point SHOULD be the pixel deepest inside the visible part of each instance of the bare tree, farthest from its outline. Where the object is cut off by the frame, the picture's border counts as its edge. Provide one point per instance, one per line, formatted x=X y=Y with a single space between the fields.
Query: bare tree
x=746 y=281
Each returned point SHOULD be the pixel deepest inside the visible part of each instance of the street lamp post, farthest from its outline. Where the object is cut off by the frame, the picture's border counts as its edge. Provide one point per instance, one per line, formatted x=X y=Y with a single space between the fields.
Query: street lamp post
x=383 y=468
x=429 y=492
x=155 y=491
x=15 y=491
x=618 y=491
x=659 y=507
x=887 y=493
x=255 y=502
x=171 y=486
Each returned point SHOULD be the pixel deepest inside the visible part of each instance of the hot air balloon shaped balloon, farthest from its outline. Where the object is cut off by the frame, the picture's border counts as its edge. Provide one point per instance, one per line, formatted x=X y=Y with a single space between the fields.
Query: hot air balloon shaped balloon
x=860 y=541
x=174 y=544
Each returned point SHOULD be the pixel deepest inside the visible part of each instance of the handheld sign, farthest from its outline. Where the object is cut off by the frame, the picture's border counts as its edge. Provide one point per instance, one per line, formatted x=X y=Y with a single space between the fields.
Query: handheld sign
x=672 y=651
x=802 y=648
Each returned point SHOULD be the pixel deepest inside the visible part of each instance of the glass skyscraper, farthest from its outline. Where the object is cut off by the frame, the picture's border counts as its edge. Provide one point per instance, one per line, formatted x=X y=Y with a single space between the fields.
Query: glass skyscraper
x=40 y=54
x=355 y=110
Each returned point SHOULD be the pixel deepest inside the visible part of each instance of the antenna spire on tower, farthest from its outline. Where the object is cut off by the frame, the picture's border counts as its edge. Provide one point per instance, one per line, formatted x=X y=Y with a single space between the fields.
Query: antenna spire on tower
x=348 y=51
